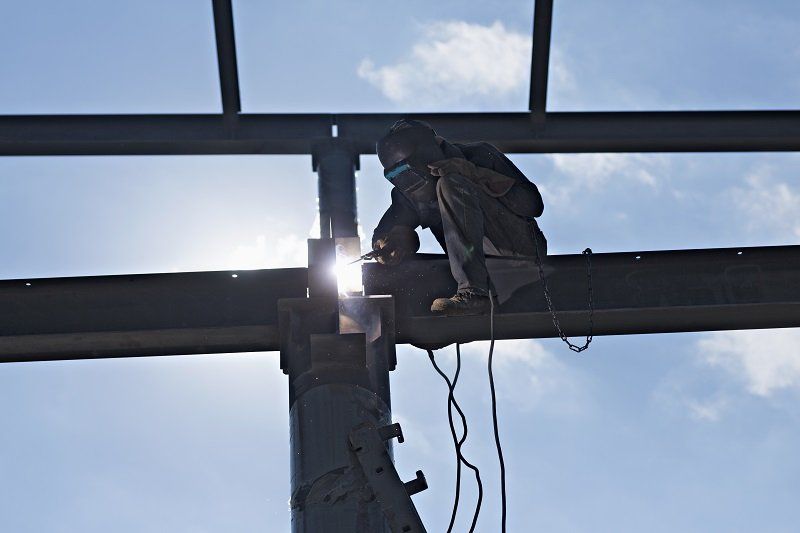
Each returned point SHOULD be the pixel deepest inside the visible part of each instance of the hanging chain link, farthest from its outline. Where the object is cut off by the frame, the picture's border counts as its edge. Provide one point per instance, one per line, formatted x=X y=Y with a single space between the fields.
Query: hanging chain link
x=588 y=253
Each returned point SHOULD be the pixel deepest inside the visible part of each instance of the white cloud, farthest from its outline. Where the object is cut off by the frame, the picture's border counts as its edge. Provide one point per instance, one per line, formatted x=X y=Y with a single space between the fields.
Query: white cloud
x=530 y=376
x=768 y=204
x=560 y=79
x=596 y=169
x=577 y=173
x=766 y=361
x=686 y=393
x=709 y=411
x=455 y=61
x=287 y=250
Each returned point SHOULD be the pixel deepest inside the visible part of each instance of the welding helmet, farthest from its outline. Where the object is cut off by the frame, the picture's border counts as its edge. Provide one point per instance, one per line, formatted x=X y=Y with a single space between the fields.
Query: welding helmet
x=405 y=153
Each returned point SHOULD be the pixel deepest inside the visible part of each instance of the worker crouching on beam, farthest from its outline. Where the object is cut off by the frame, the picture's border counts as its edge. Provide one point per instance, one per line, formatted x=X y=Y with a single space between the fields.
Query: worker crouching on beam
x=472 y=198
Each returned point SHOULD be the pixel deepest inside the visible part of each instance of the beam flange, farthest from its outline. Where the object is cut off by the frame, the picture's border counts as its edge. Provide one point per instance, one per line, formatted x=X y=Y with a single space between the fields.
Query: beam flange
x=144 y=314
x=645 y=131
x=634 y=292
x=213 y=312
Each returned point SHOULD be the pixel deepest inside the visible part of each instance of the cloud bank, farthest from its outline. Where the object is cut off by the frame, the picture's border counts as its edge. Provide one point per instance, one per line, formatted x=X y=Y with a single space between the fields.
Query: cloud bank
x=765 y=361
x=532 y=377
x=455 y=61
x=768 y=204
x=582 y=173
x=282 y=251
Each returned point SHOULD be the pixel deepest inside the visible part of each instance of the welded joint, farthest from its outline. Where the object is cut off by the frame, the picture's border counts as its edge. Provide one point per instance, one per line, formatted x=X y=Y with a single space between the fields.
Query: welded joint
x=335 y=487
x=375 y=317
x=330 y=146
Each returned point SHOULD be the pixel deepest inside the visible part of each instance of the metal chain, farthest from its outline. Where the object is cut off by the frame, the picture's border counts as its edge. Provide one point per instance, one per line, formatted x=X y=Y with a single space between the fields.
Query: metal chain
x=588 y=253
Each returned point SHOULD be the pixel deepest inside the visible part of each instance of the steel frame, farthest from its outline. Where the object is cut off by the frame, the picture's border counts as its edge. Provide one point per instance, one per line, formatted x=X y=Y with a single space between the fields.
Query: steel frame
x=338 y=352
x=534 y=131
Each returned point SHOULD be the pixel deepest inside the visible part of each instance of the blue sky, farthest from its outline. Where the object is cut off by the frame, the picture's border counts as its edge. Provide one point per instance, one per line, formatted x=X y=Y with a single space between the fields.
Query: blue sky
x=680 y=432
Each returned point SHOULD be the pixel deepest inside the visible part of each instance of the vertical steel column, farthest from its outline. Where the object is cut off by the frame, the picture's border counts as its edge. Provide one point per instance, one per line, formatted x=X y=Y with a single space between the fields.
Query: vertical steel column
x=226 y=58
x=336 y=164
x=540 y=58
x=337 y=353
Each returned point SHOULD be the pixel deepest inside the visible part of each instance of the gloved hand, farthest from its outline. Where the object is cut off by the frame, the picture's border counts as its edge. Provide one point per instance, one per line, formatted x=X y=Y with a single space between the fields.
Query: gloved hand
x=454 y=165
x=399 y=243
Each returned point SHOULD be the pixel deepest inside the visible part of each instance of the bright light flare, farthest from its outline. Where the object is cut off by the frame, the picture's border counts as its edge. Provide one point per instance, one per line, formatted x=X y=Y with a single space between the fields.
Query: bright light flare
x=348 y=278
x=348 y=272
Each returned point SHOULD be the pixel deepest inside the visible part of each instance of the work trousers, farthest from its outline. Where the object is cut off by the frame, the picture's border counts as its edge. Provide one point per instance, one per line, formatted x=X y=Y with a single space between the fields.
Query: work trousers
x=475 y=223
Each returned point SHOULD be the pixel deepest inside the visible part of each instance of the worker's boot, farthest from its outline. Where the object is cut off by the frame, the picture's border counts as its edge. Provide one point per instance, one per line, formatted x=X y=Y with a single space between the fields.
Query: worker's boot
x=463 y=303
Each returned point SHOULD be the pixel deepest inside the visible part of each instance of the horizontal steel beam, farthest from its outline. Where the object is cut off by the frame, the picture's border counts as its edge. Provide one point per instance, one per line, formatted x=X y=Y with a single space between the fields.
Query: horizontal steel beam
x=634 y=292
x=160 y=134
x=657 y=131
x=213 y=312
x=146 y=314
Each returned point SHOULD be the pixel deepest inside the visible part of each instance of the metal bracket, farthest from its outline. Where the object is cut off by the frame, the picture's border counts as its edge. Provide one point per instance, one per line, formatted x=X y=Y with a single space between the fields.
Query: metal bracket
x=390 y=432
x=416 y=485
x=367 y=443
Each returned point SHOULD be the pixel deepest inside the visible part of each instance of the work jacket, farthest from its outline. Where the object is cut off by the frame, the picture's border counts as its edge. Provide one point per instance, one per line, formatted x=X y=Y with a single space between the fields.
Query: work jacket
x=405 y=212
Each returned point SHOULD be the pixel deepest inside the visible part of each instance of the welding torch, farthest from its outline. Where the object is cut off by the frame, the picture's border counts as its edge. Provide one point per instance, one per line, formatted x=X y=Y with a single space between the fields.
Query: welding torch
x=374 y=254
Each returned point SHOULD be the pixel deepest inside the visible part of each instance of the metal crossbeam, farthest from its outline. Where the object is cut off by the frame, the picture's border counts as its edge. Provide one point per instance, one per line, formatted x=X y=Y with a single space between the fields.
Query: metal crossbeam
x=146 y=314
x=646 y=131
x=211 y=312
x=540 y=56
x=226 y=57
x=634 y=292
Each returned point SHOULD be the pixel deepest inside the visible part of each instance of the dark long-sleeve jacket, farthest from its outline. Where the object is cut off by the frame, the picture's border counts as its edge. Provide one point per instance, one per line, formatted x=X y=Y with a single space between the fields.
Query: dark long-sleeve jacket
x=526 y=201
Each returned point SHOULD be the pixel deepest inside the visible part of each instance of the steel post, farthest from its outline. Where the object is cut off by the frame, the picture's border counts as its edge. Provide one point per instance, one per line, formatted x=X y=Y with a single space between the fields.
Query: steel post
x=336 y=163
x=337 y=353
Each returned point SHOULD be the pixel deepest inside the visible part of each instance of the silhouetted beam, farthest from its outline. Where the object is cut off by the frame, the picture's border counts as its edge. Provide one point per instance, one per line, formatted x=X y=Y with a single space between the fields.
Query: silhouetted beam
x=656 y=131
x=540 y=56
x=646 y=131
x=666 y=291
x=226 y=57
x=212 y=312
x=160 y=134
x=147 y=314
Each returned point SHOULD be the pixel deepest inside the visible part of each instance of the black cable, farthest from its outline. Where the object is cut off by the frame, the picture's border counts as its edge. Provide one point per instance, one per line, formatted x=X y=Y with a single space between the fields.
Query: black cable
x=494 y=418
x=458 y=443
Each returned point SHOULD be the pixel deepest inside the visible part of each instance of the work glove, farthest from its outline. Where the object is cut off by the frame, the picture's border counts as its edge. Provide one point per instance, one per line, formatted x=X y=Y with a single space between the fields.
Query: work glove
x=493 y=183
x=399 y=243
x=454 y=165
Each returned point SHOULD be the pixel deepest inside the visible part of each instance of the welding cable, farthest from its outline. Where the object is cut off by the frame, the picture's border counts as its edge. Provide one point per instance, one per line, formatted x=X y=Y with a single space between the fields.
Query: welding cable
x=451 y=387
x=458 y=443
x=494 y=417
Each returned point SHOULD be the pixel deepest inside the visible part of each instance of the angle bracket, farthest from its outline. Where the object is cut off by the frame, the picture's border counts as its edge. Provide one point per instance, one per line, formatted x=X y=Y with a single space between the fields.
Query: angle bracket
x=367 y=443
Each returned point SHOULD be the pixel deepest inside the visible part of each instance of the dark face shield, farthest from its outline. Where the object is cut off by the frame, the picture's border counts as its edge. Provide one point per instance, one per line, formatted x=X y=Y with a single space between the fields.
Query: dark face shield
x=405 y=156
x=415 y=184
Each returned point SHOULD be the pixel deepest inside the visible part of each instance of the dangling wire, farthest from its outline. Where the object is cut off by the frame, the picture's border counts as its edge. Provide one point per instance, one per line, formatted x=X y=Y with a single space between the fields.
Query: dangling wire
x=494 y=417
x=458 y=443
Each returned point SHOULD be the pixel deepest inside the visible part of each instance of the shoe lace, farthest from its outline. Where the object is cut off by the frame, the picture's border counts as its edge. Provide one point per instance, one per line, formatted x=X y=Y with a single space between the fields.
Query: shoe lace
x=464 y=296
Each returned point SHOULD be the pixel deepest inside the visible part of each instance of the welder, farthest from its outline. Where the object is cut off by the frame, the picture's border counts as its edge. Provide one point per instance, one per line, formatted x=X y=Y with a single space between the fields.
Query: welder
x=474 y=200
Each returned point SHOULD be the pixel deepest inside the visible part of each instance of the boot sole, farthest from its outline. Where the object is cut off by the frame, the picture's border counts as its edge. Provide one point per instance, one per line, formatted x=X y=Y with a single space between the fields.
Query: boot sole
x=459 y=312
